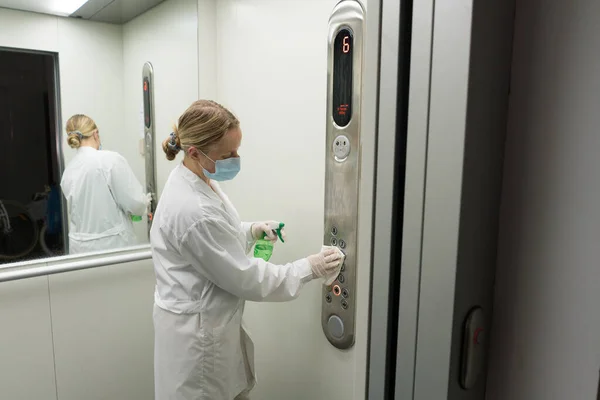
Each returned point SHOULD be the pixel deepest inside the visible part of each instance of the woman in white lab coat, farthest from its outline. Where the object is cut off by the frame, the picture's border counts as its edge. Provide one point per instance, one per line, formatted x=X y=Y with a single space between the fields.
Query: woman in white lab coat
x=204 y=274
x=101 y=190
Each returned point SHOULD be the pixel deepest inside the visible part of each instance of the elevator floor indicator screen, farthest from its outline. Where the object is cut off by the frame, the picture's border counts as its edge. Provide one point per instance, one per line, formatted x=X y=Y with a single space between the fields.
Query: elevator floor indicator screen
x=147 y=119
x=342 y=77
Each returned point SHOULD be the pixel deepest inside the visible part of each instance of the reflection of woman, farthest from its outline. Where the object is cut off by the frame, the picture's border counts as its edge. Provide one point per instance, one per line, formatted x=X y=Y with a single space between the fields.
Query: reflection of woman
x=204 y=275
x=101 y=190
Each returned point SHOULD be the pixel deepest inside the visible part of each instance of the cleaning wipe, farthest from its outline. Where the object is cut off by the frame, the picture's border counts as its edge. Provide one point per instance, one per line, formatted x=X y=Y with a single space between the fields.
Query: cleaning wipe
x=329 y=279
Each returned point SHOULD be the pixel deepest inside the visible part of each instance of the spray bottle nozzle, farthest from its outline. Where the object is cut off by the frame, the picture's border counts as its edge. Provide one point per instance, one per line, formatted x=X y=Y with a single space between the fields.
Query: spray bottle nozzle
x=276 y=232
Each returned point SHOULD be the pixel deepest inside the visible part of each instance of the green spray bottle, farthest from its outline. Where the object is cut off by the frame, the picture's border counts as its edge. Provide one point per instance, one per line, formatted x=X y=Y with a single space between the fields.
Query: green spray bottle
x=264 y=248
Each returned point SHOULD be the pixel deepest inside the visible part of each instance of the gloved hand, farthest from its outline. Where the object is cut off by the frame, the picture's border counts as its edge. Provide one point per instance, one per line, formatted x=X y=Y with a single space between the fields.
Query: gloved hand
x=268 y=227
x=149 y=199
x=326 y=262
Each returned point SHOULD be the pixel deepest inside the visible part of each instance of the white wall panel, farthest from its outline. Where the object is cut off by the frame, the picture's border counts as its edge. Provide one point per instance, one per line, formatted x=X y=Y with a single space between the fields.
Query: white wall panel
x=26 y=354
x=103 y=332
x=24 y=30
x=167 y=36
x=91 y=80
x=272 y=73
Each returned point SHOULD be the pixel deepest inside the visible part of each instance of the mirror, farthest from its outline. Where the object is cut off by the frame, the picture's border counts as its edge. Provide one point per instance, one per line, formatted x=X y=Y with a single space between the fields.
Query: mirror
x=76 y=159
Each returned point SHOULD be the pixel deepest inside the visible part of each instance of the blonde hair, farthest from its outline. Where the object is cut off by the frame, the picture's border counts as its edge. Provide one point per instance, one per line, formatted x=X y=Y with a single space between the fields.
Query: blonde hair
x=202 y=126
x=79 y=126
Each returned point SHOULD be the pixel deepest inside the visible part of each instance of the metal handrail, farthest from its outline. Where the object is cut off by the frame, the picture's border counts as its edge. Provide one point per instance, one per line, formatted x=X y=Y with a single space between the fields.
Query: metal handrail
x=73 y=266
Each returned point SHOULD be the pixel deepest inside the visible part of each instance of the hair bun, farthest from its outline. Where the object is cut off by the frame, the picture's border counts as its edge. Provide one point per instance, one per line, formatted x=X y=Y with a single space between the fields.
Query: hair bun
x=171 y=146
x=74 y=140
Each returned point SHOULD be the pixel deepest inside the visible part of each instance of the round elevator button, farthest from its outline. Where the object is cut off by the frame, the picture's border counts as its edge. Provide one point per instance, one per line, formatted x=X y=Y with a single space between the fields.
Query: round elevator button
x=341 y=147
x=336 y=326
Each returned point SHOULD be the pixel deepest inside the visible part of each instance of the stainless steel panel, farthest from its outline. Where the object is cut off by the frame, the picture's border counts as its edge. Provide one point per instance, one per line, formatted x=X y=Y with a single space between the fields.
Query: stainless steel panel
x=149 y=142
x=342 y=182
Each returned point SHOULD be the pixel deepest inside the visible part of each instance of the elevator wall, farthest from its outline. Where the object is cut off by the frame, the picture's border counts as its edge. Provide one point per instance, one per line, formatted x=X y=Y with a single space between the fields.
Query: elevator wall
x=175 y=81
x=546 y=330
x=271 y=71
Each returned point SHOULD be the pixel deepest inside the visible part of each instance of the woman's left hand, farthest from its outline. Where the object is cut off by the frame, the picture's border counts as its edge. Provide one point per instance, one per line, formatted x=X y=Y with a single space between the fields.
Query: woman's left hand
x=268 y=227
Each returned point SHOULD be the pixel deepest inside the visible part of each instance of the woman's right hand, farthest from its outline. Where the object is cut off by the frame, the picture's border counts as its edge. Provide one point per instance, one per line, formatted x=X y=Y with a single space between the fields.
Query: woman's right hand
x=326 y=262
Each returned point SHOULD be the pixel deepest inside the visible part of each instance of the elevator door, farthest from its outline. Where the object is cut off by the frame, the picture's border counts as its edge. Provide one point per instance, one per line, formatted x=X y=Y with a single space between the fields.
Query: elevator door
x=441 y=127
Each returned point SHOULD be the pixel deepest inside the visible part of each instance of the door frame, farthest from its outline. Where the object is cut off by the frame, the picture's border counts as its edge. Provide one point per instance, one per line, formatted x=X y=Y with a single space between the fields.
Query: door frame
x=404 y=76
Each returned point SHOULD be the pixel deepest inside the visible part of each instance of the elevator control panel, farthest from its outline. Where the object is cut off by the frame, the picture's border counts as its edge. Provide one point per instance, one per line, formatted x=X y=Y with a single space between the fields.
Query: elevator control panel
x=342 y=166
x=149 y=136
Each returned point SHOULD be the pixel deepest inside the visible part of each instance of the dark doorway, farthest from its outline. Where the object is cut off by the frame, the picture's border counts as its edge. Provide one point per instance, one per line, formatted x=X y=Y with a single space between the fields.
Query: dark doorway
x=31 y=217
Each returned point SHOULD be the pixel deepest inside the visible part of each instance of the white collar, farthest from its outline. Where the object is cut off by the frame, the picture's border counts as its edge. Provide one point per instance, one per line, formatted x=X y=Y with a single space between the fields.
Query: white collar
x=198 y=184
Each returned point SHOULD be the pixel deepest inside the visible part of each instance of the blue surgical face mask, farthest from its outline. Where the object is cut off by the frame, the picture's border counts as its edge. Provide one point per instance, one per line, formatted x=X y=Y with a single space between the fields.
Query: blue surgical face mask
x=225 y=170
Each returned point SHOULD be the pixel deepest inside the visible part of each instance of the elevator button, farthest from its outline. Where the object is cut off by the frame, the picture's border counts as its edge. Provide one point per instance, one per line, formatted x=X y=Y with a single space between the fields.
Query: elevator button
x=328 y=298
x=342 y=244
x=336 y=326
x=336 y=290
x=343 y=267
x=344 y=304
x=345 y=293
x=341 y=147
x=334 y=231
x=334 y=241
x=341 y=278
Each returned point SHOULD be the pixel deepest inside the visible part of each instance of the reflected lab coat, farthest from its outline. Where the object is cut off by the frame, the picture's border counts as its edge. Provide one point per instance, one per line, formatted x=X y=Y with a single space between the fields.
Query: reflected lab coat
x=102 y=193
x=204 y=276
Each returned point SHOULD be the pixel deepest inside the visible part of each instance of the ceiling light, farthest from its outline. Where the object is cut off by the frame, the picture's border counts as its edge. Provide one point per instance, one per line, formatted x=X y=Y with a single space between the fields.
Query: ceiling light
x=65 y=7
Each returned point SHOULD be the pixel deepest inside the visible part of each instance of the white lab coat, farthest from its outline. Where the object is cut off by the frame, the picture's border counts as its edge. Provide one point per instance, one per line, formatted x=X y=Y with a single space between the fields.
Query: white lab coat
x=204 y=275
x=102 y=193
